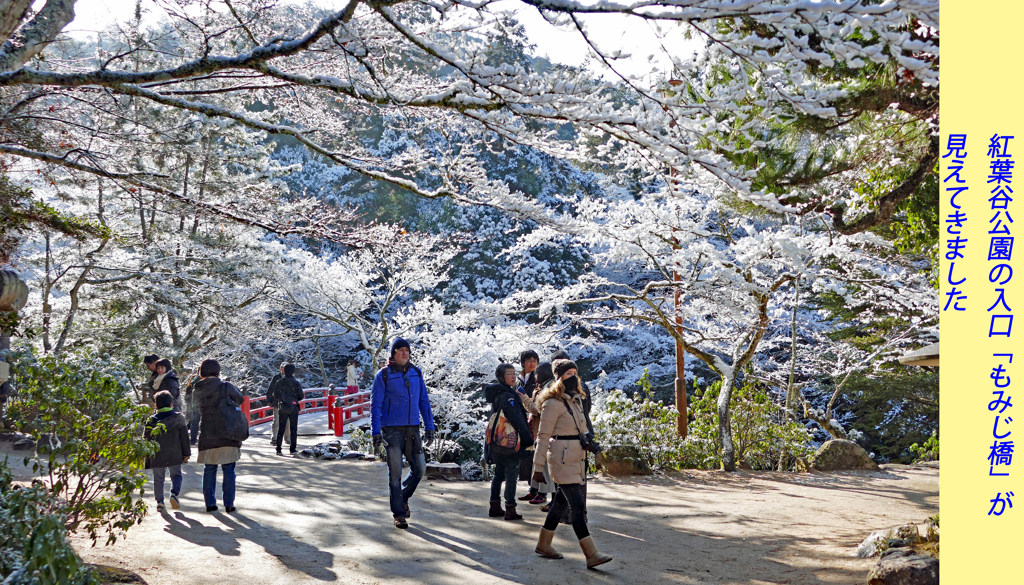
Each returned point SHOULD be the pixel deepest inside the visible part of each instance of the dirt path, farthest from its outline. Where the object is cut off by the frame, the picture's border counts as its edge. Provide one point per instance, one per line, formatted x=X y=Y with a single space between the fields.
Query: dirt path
x=302 y=521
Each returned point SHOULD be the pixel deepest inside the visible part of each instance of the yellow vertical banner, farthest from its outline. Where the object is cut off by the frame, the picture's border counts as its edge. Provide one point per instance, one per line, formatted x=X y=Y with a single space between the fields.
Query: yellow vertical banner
x=982 y=363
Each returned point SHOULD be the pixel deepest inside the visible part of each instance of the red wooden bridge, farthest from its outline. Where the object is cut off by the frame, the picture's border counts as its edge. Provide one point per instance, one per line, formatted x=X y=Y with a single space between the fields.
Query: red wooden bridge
x=343 y=411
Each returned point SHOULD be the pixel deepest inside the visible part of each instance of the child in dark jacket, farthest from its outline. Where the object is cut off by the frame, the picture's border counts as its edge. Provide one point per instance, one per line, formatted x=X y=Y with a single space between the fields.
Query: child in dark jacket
x=174 y=447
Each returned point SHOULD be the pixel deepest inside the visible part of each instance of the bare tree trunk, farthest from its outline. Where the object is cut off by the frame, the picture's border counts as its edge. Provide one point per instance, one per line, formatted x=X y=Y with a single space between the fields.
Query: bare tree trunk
x=99 y=202
x=184 y=191
x=142 y=217
x=202 y=188
x=725 y=424
x=72 y=310
x=792 y=393
x=47 y=309
x=319 y=358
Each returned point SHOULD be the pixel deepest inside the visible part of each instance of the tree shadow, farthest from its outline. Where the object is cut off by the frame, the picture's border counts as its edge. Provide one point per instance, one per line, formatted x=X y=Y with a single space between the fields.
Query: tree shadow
x=292 y=553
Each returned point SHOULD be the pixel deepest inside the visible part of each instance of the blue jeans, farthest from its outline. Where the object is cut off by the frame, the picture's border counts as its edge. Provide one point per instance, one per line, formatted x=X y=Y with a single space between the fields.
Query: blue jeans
x=210 y=484
x=158 y=481
x=396 y=437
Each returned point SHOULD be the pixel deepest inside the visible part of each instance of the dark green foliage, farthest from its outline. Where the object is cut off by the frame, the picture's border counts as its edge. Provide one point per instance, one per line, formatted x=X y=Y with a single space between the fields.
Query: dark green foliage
x=21 y=212
x=894 y=411
x=89 y=434
x=34 y=548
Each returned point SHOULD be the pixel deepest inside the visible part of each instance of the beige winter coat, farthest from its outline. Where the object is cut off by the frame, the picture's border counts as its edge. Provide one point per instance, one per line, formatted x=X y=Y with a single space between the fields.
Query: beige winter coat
x=566 y=458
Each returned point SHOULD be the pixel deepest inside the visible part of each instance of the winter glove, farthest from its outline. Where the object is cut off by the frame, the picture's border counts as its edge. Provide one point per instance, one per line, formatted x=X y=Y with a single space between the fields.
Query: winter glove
x=538 y=476
x=428 y=438
x=377 y=442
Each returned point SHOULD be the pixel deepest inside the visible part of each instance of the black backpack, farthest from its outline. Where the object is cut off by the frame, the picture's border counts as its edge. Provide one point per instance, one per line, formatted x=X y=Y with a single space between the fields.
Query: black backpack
x=236 y=427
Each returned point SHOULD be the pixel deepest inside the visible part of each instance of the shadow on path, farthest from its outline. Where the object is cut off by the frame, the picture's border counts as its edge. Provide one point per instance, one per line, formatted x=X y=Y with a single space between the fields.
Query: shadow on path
x=292 y=553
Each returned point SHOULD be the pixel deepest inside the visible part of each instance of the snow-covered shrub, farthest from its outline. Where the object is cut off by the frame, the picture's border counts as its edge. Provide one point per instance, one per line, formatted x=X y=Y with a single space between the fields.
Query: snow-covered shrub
x=763 y=434
x=648 y=424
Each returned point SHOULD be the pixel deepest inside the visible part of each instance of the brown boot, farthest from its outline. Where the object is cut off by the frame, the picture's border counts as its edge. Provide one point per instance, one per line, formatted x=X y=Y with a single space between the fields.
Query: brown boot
x=510 y=512
x=496 y=510
x=544 y=547
x=594 y=558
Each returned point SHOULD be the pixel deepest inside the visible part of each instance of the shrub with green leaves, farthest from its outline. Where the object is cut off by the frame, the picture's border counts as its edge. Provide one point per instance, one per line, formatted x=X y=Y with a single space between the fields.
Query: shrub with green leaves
x=762 y=434
x=90 y=445
x=34 y=548
x=927 y=452
x=640 y=421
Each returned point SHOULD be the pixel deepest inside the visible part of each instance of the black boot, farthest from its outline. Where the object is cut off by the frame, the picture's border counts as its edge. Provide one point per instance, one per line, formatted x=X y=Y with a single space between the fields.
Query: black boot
x=496 y=510
x=510 y=512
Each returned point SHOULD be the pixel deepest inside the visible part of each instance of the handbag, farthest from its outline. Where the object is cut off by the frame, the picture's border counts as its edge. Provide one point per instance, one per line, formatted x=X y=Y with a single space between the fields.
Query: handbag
x=236 y=428
x=501 y=437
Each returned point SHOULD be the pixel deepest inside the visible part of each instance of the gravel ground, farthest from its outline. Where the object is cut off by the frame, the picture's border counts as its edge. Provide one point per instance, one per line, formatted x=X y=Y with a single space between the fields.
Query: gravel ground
x=302 y=521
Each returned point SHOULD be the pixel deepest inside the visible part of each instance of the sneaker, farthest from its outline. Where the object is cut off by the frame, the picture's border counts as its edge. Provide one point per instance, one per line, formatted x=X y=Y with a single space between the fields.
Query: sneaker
x=160 y=507
x=229 y=508
x=175 y=503
x=545 y=508
x=211 y=508
x=539 y=499
x=279 y=452
x=528 y=496
x=400 y=522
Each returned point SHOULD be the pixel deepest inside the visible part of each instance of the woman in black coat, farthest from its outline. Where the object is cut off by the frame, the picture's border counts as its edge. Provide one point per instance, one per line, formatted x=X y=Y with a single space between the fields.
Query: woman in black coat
x=215 y=448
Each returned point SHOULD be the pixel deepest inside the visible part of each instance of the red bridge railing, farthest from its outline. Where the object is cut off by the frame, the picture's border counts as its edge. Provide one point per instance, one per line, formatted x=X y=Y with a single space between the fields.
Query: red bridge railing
x=341 y=410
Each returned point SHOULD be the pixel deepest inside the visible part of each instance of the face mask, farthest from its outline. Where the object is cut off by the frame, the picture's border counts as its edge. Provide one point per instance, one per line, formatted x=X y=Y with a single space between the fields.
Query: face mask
x=570 y=384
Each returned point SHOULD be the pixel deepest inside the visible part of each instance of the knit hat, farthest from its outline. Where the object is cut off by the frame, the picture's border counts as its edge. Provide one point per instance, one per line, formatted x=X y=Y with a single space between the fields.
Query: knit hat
x=562 y=366
x=544 y=373
x=559 y=354
x=397 y=344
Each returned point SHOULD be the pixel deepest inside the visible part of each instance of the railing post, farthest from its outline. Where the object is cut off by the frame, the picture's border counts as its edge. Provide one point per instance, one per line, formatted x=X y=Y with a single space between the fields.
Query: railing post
x=245 y=408
x=339 y=423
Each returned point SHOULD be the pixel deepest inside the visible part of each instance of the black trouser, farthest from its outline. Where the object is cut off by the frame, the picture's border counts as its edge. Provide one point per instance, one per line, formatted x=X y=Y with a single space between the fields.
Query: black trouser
x=569 y=495
x=293 y=422
x=506 y=469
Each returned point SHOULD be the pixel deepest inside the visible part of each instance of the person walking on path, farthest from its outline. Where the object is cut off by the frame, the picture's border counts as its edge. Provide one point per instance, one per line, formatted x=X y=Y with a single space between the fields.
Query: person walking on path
x=539 y=491
x=174 y=448
x=398 y=400
x=167 y=381
x=274 y=401
x=560 y=442
x=506 y=401
x=191 y=408
x=148 y=390
x=214 y=446
x=289 y=401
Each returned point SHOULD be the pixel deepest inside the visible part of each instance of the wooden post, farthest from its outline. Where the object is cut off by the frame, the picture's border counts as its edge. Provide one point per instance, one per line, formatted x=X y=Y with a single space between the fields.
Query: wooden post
x=680 y=386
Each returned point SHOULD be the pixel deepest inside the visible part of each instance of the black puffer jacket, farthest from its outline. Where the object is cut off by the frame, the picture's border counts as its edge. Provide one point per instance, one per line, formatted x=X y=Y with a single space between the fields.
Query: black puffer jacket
x=505 y=398
x=170 y=383
x=174 y=447
x=288 y=390
x=207 y=397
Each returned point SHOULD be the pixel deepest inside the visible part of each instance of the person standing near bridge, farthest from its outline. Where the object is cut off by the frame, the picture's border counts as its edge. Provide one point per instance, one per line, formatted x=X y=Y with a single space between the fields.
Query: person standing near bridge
x=397 y=401
x=289 y=396
x=352 y=377
x=273 y=401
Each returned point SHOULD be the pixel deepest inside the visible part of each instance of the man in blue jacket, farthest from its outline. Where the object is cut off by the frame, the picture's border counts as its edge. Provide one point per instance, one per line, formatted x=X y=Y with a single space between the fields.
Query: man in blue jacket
x=398 y=400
